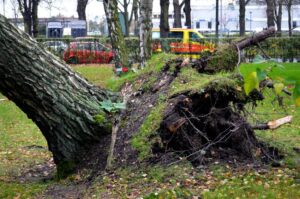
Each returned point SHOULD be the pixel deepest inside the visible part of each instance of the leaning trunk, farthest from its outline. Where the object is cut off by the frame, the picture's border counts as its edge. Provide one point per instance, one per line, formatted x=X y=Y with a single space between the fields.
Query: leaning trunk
x=164 y=18
x=145 y=30
x=177 y=14
x=62 y=104
x=115 y=33
x=187 y=11
x=242 y=17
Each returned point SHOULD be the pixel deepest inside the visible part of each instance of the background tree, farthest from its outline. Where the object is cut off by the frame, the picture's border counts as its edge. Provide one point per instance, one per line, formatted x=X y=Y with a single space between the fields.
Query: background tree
x=15 y=9
x=81 y=7
x=289 y=4
x=29 y=11
x=177 y=13
x=242 y=4
x=115 y=33
x=270 y=13
x=145 y=30
x=278 y=14
x=164 y=18
x=187 y=10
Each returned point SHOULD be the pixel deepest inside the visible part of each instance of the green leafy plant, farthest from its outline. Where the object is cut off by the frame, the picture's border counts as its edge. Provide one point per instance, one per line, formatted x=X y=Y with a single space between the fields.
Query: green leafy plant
x=280 y=82
x=112 y=107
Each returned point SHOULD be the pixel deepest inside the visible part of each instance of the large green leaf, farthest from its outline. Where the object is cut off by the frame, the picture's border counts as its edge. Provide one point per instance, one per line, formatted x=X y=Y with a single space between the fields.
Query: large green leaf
x=261 y=74
x=296 y=94
x=259 y=59
x=251 y=83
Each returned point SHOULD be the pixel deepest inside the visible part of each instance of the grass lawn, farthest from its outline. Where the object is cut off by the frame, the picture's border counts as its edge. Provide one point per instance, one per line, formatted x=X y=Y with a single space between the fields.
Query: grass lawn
x=18 y=133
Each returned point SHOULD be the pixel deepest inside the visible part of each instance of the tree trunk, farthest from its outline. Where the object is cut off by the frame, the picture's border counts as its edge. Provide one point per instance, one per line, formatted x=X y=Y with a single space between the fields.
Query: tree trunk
x=279 y=16
x=35 y=20
x=27 y=23
x=126 y=18
x=270 y=13
x=81 y=6
x=59 y=101
x=145 y=30
x=177 y=14
x=135 y=8
x=242 y=17
x=164 y=18
x=289 y=9
x=187 y=11
x=115 y=33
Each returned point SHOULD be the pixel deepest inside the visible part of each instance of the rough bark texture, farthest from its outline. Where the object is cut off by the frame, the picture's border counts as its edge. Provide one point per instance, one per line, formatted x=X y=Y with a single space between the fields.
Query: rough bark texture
x=187 y=10
x=164 y=18
x=61 y=103
x=177 y=14
x=115 y=33
x=145 y=30
x=81 y=6
x=270 y=13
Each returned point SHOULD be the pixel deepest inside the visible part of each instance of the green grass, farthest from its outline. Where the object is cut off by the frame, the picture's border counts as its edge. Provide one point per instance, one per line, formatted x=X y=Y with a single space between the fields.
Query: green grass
x=97 y=74
x=287 y=136
x=21 y=191
x=17 y=132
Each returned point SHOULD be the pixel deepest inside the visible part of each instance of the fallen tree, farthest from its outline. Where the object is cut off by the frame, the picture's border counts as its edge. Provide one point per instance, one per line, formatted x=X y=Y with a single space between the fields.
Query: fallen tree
x=59 y=101
x=158 y=119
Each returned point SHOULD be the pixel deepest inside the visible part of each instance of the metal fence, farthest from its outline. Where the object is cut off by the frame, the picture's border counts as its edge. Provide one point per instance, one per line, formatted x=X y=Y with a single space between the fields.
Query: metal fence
x=98 y=50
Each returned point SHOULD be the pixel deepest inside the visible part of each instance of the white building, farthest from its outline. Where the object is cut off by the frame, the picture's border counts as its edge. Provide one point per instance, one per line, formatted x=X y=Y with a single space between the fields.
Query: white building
x=204 y=16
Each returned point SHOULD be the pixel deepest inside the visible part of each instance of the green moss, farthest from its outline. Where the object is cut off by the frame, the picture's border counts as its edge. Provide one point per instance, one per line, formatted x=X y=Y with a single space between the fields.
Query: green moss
x=64 y=169
x=225 y=59
x=103 y=120
x=190 y=80
x=153 y=67
x=147 y=136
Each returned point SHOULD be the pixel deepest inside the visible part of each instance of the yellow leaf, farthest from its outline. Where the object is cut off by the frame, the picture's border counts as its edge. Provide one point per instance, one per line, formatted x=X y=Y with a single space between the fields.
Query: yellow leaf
x=278 y=88
x=251 y=82
x=297 y=102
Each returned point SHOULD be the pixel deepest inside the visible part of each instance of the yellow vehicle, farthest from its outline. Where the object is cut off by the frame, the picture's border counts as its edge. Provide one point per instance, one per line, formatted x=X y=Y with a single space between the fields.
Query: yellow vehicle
x=190 y=42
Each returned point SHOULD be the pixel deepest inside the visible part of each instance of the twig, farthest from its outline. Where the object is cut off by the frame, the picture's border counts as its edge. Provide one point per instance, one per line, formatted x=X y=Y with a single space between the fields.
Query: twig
x=273 y=124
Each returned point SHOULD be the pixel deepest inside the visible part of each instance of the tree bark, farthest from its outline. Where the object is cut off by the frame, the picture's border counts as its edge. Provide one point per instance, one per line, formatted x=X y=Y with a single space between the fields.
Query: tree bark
x=270 y=13
x=59 y=101
x=164 y=18
x=187 y=10
x=115 y=33
x=81 y=7
x=278 y=14
x=289 y=9
x=243 y=4
x=35 y=20
x=145 y=30
x=177 y=14
x=26 y=11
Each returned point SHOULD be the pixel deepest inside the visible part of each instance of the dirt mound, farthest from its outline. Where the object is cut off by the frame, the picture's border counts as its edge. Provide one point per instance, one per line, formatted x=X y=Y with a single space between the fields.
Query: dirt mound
x=200 y=124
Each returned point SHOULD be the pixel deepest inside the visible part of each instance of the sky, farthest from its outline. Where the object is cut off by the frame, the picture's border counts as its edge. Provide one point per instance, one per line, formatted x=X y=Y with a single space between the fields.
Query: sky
x=94 y=8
